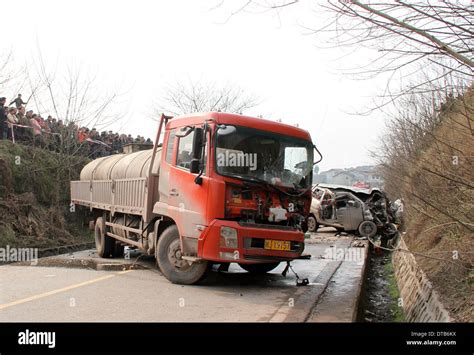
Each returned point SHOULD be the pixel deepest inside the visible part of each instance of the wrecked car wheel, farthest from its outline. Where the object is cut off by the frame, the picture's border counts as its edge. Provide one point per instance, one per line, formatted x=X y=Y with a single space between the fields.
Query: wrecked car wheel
x=259 y=268
x=367 y=229
x=312 y=224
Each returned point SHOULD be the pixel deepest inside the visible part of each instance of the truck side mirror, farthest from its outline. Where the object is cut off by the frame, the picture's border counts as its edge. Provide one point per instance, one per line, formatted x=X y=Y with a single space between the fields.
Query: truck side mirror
x=320 y=155
x=196 y=153
x=197 y=144
x=194 y=167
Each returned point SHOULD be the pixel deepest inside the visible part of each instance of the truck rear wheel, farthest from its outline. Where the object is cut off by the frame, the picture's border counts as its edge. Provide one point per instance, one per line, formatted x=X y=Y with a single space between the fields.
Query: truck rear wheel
x=118 y=250
x=103 y=243
x=259 y=268
x=168 y=257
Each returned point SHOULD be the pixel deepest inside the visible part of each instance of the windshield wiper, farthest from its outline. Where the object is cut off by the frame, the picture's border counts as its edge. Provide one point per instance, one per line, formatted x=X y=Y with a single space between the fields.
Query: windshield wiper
x=297 y=187
x=256 y=179
x=253 y=179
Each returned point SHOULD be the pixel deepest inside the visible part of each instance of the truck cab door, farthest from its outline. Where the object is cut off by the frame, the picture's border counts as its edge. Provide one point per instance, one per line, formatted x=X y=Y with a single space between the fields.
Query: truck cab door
x=168 y=158
x=185 y=199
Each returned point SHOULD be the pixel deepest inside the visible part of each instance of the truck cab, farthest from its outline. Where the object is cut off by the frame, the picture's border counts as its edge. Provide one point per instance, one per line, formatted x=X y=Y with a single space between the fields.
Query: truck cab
x=224 y=188
x=238 y=188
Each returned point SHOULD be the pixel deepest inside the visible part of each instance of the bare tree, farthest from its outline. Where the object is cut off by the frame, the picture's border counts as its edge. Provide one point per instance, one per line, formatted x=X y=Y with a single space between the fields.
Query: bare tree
x=5 y=73
x=200 y=96
x=10 y=74
x=407 y=35
x=409 y=31
x=426 y=158
x=74 y=97
x=415 y=29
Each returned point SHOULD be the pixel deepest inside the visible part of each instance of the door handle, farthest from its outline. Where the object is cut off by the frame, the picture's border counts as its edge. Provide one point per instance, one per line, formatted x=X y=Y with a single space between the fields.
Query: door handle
x=174 y=192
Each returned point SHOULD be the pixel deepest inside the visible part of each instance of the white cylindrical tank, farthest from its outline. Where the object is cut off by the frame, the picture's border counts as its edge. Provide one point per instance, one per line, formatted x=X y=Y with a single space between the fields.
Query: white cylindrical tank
x=122 y=166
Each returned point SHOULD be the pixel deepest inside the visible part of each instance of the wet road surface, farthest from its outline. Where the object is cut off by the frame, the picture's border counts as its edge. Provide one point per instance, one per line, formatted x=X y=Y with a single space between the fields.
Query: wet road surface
x=89 y=293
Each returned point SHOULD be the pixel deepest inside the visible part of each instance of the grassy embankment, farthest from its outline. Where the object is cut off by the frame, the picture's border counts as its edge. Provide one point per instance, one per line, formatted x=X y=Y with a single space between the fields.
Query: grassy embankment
x=436 y=180
x=34 y=198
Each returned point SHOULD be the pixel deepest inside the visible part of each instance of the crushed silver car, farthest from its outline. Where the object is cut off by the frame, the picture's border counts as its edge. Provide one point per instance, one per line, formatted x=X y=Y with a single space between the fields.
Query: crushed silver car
x=365 y=211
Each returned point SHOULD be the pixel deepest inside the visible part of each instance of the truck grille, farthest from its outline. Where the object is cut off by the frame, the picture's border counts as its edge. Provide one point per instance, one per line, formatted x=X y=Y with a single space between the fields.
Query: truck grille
x=267 y=226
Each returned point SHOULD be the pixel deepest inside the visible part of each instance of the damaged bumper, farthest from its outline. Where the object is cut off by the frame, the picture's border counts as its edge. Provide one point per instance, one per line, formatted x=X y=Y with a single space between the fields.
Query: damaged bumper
x=248 y=243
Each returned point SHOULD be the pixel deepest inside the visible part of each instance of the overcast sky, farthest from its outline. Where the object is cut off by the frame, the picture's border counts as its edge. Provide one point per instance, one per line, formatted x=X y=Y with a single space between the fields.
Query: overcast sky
x=137 y=47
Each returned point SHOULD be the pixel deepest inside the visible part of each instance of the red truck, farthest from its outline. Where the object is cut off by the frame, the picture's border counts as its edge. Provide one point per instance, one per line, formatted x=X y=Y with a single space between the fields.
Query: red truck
x=222 y=188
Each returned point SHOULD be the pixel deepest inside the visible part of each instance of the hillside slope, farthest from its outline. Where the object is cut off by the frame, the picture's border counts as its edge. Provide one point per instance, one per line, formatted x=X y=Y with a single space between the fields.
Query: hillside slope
x=34 y=198
x=437 y=184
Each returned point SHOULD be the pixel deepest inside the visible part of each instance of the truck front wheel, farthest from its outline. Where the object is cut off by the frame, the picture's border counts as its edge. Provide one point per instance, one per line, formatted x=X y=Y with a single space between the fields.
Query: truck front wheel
x=169 y=259
x=103 y=243
x=259 y=268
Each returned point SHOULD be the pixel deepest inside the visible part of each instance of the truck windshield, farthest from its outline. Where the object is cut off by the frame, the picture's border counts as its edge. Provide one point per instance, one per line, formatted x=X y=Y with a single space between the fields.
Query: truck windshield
x=261 y=156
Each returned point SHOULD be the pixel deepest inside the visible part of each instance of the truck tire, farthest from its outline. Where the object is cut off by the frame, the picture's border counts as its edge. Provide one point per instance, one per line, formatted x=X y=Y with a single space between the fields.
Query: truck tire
x=118 y=250
x=312 y=224
x=168 y=258
x=103 y=243
x=259 y=268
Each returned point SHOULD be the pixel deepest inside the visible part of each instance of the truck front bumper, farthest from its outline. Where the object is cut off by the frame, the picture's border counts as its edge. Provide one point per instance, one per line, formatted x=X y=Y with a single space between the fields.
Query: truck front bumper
x=251 y=246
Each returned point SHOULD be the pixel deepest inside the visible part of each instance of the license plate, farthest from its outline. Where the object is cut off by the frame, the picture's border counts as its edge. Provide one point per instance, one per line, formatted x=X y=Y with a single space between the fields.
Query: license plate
x=277 y=245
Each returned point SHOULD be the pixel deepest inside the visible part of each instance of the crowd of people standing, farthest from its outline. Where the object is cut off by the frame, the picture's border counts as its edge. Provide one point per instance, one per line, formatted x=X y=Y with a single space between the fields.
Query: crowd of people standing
x=27 y=127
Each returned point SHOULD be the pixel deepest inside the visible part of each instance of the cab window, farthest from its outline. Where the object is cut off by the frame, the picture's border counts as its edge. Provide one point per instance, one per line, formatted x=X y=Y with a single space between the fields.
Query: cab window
x=169 y=147
x=185 y=147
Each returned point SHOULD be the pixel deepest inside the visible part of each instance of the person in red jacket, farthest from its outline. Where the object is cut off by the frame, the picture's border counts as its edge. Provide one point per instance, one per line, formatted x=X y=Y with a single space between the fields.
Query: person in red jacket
x=81 y=135
x=35 y=123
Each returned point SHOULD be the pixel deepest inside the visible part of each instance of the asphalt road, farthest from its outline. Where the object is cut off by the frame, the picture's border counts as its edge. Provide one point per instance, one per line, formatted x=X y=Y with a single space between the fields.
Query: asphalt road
x=66 y=294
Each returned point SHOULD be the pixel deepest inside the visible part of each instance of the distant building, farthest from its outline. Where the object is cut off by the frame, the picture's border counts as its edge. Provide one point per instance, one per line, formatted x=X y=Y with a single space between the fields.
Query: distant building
x=344 y=178
x=366 y=175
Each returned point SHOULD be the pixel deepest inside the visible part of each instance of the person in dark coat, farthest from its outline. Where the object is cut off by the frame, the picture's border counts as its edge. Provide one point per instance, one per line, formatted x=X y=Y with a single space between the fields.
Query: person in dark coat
x=3 y=119
x=18 y=102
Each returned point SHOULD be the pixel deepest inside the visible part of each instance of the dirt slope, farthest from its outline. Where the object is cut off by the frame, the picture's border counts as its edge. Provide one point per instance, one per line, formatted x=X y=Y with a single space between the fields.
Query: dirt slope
x=34 y=198
x=439 y=195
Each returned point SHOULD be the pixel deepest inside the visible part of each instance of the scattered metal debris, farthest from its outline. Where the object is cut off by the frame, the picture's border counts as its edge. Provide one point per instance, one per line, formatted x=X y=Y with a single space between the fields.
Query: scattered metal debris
x=299 y=281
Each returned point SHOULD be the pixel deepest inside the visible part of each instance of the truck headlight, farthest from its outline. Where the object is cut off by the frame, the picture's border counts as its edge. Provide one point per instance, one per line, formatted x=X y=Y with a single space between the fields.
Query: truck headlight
x=229 y=237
